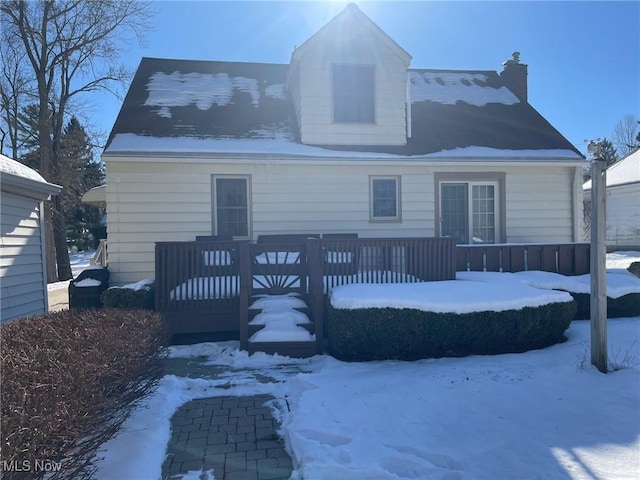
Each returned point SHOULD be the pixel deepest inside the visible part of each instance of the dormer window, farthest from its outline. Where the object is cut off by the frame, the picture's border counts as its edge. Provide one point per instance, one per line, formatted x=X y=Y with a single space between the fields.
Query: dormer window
x=353 y=93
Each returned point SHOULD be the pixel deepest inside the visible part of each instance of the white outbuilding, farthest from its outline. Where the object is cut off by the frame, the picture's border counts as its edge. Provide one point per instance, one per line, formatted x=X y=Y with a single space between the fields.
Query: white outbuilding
x=623 y=203
x=23 y=280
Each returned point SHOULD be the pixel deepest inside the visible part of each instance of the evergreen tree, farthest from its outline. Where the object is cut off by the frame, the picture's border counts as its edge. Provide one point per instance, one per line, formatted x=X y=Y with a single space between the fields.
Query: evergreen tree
x=608 y=152
x=78 y=172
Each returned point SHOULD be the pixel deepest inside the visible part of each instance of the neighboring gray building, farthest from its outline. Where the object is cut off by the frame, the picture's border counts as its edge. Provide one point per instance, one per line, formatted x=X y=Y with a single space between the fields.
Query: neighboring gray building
x=623 y=203
x=23 y=280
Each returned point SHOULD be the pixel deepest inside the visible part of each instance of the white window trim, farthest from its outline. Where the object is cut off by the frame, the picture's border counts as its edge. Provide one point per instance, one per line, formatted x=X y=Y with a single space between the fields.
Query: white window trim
x=496 y=206
x=398 y=216
x=214 y=205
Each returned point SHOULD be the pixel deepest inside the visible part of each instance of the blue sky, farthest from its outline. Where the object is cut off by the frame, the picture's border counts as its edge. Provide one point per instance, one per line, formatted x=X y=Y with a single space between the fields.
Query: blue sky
x=583 y=57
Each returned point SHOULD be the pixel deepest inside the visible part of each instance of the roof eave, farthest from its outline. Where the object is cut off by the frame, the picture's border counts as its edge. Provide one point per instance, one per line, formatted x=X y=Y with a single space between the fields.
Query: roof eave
x=28 y=187
x=422 y=159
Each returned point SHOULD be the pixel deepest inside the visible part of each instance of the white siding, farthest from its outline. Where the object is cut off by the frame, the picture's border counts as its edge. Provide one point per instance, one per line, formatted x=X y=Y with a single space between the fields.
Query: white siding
x=21 y=263
x=539 y=205
x=310 y=84
x=149 y=202
x=623 y=215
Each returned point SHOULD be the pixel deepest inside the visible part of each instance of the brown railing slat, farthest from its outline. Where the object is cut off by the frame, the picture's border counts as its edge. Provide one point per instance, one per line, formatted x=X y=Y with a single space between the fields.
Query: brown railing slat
x=567 y=259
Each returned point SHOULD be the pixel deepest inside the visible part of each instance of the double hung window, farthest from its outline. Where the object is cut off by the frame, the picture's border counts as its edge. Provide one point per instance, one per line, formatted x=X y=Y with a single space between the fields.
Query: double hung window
x=231 y=206
x=384 y=194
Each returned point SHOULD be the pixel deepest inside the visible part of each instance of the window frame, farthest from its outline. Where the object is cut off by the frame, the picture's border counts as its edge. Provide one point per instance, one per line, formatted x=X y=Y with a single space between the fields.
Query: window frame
x=496 y=179
x=214 y=203
x=398 y=216
x=336 y=97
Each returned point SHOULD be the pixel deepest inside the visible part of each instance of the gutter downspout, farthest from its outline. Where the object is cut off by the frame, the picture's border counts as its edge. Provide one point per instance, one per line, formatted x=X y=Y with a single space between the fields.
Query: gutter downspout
x=577 y=205
x=43 y=250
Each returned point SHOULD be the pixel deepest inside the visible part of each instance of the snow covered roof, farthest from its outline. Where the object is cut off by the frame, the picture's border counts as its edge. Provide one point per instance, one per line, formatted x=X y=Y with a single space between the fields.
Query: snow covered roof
x=191 y=105
x=17 y=178
x=13 y=167
x=622 y=172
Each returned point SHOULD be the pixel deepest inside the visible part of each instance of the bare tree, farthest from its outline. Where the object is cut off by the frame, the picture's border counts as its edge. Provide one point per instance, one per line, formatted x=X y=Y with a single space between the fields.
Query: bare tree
x=14 y=92
x=68 y=47
x=625 y=135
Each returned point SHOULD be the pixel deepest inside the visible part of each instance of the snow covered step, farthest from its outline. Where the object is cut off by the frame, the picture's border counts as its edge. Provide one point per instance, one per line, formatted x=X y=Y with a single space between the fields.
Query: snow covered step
x=281 y=326
x=277 y=302
x=286 y=318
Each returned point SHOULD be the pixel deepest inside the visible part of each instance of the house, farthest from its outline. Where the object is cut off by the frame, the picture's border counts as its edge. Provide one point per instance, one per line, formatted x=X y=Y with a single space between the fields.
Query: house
x=623 y=202
x=346 y=137
x=23 y=275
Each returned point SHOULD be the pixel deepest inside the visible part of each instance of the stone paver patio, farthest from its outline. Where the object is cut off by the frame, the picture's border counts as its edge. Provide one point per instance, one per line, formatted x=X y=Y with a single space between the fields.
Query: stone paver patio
x=235 y=436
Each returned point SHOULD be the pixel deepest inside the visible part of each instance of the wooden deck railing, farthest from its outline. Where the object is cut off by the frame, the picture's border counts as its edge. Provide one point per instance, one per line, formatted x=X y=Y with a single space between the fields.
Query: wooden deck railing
x=206 y=285
x=100 y=257
x=198 y=285
x=339 y=261
x=564 y=258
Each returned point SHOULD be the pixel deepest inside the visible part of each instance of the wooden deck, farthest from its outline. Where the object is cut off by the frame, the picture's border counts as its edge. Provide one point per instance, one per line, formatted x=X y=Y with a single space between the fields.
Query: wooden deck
x=207 y=286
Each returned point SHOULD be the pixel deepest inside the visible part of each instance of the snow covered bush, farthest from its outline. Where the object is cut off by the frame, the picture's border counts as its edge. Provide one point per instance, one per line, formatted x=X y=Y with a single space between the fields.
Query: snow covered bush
x=409 y=334
x=69 y=380
x=138 y=295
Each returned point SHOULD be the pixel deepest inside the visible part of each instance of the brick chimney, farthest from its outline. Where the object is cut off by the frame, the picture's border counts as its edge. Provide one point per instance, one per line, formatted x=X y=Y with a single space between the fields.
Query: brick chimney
x=514 y=76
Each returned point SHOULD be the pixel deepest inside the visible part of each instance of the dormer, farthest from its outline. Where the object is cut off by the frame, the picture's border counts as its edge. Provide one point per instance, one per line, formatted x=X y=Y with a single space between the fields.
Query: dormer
x=348 y=84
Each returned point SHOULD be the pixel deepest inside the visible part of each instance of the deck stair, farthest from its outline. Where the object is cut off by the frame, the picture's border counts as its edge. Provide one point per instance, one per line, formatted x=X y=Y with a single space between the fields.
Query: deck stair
x=276 y=308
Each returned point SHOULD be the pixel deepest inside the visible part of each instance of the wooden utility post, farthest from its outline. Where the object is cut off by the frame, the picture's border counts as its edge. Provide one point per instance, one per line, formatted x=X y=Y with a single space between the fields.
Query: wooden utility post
x=598 y=261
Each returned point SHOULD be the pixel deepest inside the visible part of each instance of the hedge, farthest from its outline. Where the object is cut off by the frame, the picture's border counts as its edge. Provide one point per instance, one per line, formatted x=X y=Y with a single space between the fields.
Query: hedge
x=116 y=297
x=624 y=306
x=409 y=334
x=69 y=380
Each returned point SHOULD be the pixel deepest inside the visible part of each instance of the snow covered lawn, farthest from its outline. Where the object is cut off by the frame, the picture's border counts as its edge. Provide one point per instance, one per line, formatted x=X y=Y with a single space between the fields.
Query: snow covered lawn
x=540 y=414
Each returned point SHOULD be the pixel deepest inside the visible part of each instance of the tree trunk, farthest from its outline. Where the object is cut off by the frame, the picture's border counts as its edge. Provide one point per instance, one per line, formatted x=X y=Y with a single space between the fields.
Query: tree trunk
x=60 y=239
x=47 y=224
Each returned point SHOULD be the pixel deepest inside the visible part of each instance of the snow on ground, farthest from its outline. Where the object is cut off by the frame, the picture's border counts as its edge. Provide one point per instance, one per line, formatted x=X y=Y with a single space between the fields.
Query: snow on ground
x=531 y=415
x=619 y=281
x=622 y=259
x=541 y=414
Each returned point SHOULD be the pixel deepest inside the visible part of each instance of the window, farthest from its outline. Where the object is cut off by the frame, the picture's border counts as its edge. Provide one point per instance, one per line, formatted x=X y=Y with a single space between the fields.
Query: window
x=385 y=198
x=469 y=211
x=231 y=206
x=353 y=94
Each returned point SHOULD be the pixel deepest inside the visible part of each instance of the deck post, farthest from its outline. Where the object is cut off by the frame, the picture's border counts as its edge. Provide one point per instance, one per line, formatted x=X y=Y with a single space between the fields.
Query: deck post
x=316 y=289
x=246 y=284
x=598 y=265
